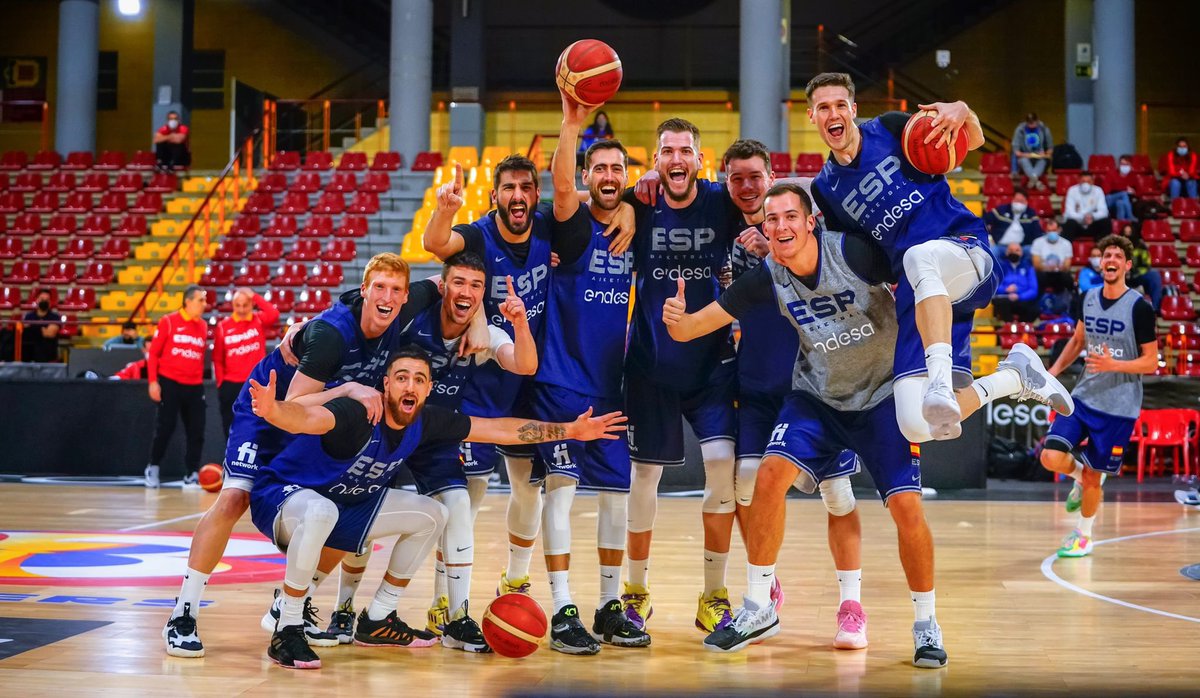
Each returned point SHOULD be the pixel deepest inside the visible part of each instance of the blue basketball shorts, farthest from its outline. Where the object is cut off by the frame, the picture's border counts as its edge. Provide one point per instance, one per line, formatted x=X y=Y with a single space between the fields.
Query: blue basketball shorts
x=1107 y=436
x=251 y=446
x=602 y=464
x=656 y=414
x=438 y=468
x=354 y=518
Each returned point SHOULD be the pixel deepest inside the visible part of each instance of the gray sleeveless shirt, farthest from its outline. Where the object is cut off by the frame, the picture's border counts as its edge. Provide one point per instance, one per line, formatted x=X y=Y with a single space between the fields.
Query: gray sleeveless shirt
x=1118 y=394
x=847 y=330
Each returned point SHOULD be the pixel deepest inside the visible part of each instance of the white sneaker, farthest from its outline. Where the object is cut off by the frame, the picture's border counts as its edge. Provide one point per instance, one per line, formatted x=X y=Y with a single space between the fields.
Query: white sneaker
x=1188 y=498
x=1036 y=381
x=151 y=477
x=940 y=409
x=191 y=481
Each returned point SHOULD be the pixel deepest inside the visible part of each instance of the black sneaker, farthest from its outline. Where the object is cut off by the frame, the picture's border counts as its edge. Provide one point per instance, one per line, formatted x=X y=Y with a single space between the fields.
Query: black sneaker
x=612 y=627
x=751 y=625
x=341 y=624
x=312 y=628
x=181 y=636
x=568 y=635
x=288 y=649
x=390 y=632
x=463 y=633
x=927 y=639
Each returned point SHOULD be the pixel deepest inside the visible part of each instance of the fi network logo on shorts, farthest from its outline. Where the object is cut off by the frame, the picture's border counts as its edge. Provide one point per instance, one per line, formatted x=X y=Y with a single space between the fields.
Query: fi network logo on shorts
x=246 y=455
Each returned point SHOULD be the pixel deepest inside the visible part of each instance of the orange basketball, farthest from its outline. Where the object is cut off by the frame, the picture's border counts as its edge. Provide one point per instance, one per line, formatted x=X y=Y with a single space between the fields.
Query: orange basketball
x=211 y=476
x=924 y=156
x=589 y=72
x=514 y=625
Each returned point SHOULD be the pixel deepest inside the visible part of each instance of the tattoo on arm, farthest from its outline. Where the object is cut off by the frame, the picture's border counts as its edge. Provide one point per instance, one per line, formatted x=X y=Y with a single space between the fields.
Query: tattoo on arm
x=538 y=432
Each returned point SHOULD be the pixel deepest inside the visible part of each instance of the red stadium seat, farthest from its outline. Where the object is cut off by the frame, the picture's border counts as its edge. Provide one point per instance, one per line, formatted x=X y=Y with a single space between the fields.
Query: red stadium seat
x=994 y=202
x=1140 y=162
x=1100 y=164
x=331 y=203
x=272 y=183
x=352 y=227
x=253 y=274
x=111 y=202
x=23 y=272
x=267 y=250
x=77 y=202
x=318 y=227
x=809 y=164
x=94 y=183
x=78 y=249
x=42 y=248
x=45 y=160
x=78 y=160
x=5 y=179
x=304 y=251
x=1146 y=186
x=1188 y=364
x=217 y=274
x=26 y=224
x=30 y=301
x=1054 y=331
x=1157 y=230
x=14 y=160
x=11 y=247
x=994 y=163
x=387 y=161
x=43 y=202
x=69 y=326
x=110 y=160
x=95 y=225
x=326 y=274
x=222 y=303
x=1176 y=308
x=427 y=162
x=1040 y=204
x=79 y=299
x=318 y=160
x=342 y=182
x=306 y=182
x=11 y=202
x=1183 y=336
x=293 y=202
x=61 y=182
x=128 y=183
x=60 y=225
x=353 y=161
x=1189 y=231
x=97 y=273
x=142 y=160
x=1185 y=208
x=289 y=274
x=10 y=297
x=339 y=251
x=131 y=226
x=285 y=161
x=1192 y=255
x=781 y=164
x=282 y=298
x=1013 y=332
x=59 y=273
x=259 y=202
x=230 y=250
x=1163 y=256
x=115 y=249
x=281 y=227
x=998 y=185
x=1063 y=182
x=1080 y=251
x=313 y=300
x=246 y=225
x=1175 y=278
x=27 y=182
x=377 y=182
x=364 y=202
x=148 y=203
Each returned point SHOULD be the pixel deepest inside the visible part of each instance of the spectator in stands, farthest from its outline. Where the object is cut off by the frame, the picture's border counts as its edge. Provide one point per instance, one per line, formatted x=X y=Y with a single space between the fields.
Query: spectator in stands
x=175 y=367
x=1089 y=275
x=240 y=342
x=1018 y=292
x=1052 y=260
x=1031 y=145
x=171 y=144
x=128 y=339
x=599 y=130
x=1181 y=169
x=133 y=371
x=39 y=342
x=1142 y=274
x=1085 y=212
x=1119 y=190
x=1012 y=222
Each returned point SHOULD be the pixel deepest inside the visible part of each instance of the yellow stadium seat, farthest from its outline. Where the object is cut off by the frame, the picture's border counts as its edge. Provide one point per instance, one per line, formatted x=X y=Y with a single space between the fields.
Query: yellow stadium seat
x=183 y=205
x=152 y=250
x=964 y=187
x=167 y=228
x=985 y=364
x=975 y=207
x=466 y=155
x=443 y=174
x=710 y=156
x=638 y=154
x=492 y=155
x=413 y=251
x=635 y=173
x=168 y=302
x=117 y=300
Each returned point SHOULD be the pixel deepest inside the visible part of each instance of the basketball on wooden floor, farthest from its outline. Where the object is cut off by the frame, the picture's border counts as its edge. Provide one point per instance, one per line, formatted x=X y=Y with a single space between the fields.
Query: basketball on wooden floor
x=211 y=476
x=589 y=72
x=514 y=625
x=924 y=156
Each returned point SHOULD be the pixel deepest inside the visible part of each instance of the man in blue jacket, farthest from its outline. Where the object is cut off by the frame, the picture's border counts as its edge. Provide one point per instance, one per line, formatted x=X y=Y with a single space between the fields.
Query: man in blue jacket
x=1016 y=298
x=1013 y=222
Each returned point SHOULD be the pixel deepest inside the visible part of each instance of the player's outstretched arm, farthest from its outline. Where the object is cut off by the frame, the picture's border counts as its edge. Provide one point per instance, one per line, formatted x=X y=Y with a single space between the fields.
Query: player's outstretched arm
x=684 y=326
x=439 y=237
x=1071 y=350
x=288 y=416
x=566 y=197
x=370 y=398
x=520 y=357
x=511 y=430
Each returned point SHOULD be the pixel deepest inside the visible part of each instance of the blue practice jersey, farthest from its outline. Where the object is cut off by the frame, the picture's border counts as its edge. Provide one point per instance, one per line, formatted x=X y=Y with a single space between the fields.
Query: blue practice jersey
x=493 y=390
x=768 y=340
x=451 y=373
x=692 y=244
x=882 y=195
x=583 y=348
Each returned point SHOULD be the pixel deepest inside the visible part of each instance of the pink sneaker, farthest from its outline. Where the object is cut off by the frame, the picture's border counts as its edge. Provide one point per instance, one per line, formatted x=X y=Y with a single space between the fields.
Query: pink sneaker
x=852 y=627
x=777 y=594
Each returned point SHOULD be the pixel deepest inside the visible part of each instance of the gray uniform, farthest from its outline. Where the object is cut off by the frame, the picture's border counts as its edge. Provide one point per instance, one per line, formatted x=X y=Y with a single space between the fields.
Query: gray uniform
x=847 y=330
x=1118 y=394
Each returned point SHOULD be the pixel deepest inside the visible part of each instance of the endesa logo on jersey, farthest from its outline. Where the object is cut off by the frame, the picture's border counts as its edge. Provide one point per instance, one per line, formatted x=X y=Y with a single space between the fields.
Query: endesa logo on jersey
x=858 y=201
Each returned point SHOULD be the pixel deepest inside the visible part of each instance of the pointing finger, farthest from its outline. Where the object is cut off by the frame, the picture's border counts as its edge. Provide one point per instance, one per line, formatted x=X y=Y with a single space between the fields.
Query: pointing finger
x=508 y=282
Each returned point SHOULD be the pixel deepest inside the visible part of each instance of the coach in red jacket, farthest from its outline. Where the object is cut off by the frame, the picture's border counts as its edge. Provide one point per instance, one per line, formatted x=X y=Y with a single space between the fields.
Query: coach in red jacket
x=175 y=366
x=240 y=342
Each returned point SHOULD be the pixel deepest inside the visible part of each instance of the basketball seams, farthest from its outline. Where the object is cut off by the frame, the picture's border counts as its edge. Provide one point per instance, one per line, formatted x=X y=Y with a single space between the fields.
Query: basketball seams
x=490 y=617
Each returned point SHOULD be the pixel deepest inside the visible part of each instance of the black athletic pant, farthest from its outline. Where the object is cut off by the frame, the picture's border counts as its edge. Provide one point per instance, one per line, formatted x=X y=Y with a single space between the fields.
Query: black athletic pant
x=185 y=401
x=170 y=155
x=227 y=394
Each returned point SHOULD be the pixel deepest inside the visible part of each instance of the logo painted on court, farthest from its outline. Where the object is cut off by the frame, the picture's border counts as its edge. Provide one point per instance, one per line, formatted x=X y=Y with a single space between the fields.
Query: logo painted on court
x=73 y=558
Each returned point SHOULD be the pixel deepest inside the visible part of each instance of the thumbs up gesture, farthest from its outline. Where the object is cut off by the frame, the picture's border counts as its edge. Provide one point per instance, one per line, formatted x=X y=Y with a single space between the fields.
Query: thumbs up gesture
x=675 y=307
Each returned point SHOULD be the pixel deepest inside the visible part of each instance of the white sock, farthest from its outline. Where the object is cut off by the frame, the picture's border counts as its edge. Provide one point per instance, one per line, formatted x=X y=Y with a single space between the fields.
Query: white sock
x=387 y=597
x=560 y=591
x=1077 y=473
x=439 y=579
x=850 y=584
x=518 y=561
x=318 y=578
x=714 y=570
x=923 y=602
x=938 y=362
x=189 y=593
x=458 y=585
x=639 y=572
x=759 y=579
x=610 y=584
x=347 y=587
x=291 y=609
x=1000 y=384
x=1086 y=523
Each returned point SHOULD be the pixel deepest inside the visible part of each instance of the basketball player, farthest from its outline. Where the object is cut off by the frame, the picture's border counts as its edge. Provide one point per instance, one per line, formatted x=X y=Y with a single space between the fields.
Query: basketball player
x=1117 y=328
x=329 y=487
x=938 y=249
x=438 y=470
x=582 y=355
x=832 y=289
x=345 y=347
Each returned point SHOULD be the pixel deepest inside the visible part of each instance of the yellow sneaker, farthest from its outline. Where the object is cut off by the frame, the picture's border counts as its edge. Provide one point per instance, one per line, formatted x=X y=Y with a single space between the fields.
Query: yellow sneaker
x=713 y=611
x=520 y=585
x=636 y=601
x=439 y=615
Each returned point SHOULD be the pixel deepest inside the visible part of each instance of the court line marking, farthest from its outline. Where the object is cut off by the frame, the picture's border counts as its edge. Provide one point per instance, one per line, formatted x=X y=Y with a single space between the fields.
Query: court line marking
x=1048 y=572
x=156 y=524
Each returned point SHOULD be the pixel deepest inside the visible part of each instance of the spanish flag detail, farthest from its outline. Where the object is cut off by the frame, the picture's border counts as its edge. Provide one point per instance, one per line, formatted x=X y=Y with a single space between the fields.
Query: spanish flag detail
x=915 y=450
x=1118 y=451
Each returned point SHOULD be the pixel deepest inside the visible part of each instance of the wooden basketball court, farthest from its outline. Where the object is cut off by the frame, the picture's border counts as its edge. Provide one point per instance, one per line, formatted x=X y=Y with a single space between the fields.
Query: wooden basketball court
x=1015 y=620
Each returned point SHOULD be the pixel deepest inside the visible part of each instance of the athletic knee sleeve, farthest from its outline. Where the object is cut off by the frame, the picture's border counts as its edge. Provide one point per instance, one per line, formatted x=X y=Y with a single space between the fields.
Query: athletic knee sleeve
x=718 y=477
x=357 y=562
x=476 y=489
x=743 y=483
x=944 y=268
x=556 y=515
x=643 y=497
x=612 y=512
x=838 y=496
x=307 y=519
x=525 y=500
x=458 y=538
x=909 y=391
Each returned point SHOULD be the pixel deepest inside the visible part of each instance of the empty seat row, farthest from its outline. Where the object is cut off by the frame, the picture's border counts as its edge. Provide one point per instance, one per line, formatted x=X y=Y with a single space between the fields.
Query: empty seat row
x=329 y=202
x=271 y=250
x=1001 y=163
x=310 y=182
x=76 y=298
x=148 y=203
x=248 y=225
x=92 y=183
x=76 y=249
x=286 y=274
x=319 y=160
x=312 y=300
x=49 y=160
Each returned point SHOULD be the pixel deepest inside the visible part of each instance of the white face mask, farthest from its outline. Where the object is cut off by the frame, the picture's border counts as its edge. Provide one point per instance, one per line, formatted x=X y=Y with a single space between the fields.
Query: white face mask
x=1095 y=262
x=173 y=123
x=1181 y=151
x=1018 y=207
x=1085 y=188
x=1124 y=170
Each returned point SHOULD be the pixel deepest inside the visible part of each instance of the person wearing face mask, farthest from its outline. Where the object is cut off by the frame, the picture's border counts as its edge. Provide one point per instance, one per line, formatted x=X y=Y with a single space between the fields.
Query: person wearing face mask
x=1119 y=190
x=1052 y=259
x=1012 y=222
x=1181 y=168
x=1085 y=212
x=1016 y=297
x=39 y=343
x=1089 y=275
x=172 y=148
x=1032 y=144
x=128 y=339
